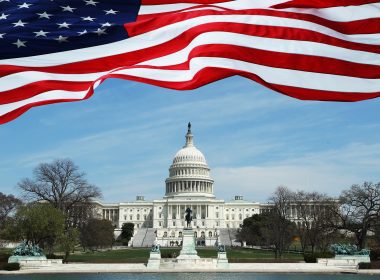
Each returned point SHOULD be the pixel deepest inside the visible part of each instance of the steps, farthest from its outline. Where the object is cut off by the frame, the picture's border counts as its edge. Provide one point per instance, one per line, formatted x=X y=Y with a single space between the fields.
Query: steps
x=227 y=237
x=138 y=238
x=150 y=237
x=233 y=233
x=224 y=237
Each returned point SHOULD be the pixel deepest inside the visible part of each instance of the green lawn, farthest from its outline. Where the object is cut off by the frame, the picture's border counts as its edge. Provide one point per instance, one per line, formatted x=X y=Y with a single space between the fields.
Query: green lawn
x=141 y=255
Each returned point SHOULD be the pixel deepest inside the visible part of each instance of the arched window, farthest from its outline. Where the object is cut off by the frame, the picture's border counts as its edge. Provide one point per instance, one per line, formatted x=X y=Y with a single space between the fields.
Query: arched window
x=165 y=234
x=138 y=217
x=180 y=234
x=202 y=234
x=195 y=234
x=210 y=234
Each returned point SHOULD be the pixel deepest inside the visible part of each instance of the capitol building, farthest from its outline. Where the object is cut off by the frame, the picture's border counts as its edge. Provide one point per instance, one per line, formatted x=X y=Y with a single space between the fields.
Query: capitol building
x=189 y=185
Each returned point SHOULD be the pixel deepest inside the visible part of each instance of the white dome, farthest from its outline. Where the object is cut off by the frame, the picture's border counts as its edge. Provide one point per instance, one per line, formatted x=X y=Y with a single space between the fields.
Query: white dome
x=189 y=175
x=189 y=155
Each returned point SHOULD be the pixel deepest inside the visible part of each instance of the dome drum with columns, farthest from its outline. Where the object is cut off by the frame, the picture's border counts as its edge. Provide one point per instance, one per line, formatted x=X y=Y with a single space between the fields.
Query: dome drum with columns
x=189 y=185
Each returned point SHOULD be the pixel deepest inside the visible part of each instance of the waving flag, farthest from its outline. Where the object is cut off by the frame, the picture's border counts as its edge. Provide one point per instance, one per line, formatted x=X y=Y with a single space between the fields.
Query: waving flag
x=59 y=51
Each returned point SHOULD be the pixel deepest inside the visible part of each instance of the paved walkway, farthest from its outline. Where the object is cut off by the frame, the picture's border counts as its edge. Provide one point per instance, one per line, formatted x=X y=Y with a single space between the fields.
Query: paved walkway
x=234 y=267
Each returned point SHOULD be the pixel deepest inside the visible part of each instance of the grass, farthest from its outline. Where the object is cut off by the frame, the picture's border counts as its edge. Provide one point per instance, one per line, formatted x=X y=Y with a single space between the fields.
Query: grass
x=141 y=255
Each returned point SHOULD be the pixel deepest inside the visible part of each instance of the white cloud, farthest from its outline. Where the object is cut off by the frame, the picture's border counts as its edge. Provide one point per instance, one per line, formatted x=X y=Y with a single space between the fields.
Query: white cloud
x=328 y=172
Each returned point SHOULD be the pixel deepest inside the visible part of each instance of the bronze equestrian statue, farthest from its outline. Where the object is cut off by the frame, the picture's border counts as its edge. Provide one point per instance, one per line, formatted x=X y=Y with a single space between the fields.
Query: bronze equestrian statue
x=188 y=217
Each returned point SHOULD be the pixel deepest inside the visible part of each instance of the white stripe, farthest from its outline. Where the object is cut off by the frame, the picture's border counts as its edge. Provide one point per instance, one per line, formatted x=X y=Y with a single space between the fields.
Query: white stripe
x=23 y=78
x=46 y=96
x=233 y=5
x=287 y=77
x=278 y=45
x=269 y=44
x=325 y=82
x=169 y=32
x=342 y=14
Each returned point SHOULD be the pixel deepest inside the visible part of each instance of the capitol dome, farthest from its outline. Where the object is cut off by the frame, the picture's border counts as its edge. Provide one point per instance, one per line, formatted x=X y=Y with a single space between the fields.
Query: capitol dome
x=189 y=173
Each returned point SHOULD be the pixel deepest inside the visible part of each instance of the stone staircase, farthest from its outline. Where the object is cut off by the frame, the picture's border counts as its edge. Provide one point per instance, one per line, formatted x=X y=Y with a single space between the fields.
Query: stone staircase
x=232 y=233
x=139 y=237
x=227 y=237
x=150 y=237
x=224 y=237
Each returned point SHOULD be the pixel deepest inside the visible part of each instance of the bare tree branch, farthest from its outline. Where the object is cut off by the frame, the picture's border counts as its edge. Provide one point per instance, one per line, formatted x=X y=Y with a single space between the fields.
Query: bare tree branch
x=62 y=185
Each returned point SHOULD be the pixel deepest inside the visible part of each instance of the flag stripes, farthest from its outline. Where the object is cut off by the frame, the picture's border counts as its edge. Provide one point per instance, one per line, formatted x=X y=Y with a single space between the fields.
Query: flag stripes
x=307 y=54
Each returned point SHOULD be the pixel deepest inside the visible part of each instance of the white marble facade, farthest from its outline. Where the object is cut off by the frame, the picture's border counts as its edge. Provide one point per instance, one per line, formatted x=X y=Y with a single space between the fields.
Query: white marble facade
x=189 y=185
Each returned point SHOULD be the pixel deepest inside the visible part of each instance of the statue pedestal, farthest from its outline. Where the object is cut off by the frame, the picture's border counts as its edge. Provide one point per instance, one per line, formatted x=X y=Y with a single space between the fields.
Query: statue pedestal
x=188 y=251
x=154 y=260
x=222 y=261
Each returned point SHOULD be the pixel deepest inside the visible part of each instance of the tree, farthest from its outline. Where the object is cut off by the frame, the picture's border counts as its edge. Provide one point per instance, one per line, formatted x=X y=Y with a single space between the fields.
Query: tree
x=67 y=241
x=62 y=185
x=39 y=223
x=97 y=233
x=280 y=229
x=360 y=209
x=252 y=230
x=8 y=204
x=262 y=230
x=316 y=218
x=126 y=233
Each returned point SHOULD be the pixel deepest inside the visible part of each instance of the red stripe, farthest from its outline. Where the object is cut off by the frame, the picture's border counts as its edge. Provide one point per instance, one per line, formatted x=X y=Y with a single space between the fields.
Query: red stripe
x=33 y=89
x=187 y=10
x=162 y=2
x=322 y=3
x=18 y=112
x=299 y=62
x=148 y=23
x=212 y=74
x=262 y=57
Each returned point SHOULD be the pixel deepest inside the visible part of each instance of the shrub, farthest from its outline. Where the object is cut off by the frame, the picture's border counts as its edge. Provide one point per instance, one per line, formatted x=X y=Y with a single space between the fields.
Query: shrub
x=11 y=266
x=52 y=256
x=363 y=265
x=312 y=257
x=374 y=254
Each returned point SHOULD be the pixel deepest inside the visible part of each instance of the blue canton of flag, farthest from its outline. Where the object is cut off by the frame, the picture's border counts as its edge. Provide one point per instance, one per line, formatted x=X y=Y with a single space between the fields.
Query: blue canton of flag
x=33 y=27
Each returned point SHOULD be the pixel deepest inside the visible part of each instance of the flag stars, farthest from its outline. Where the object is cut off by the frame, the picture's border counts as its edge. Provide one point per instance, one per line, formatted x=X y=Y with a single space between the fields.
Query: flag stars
x=41 y=33
x=64 y=25
x=91 y=2
x=68 y=9
x=2 y=35
x=19 y=43
x=82 y=32
x=4 y=16
x=61 y=39
x=110 y=12
x=106 y=24
x=19 y=23
x=100 y=31
x=25 y=5
x=88 y=18
x=44 y=15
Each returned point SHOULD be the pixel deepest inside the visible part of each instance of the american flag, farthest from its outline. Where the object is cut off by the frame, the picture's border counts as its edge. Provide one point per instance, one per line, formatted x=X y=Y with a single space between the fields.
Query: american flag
x=59 y=50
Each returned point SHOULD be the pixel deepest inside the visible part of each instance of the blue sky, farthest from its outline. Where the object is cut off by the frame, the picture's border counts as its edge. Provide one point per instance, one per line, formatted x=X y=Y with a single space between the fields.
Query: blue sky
x=254 y=139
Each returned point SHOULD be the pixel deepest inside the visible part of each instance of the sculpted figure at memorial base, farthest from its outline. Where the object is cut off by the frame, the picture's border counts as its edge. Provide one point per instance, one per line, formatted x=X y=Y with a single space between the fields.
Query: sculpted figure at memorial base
x=347 y=249
x=155 y=248
x=28 y=249
x=221 y=248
